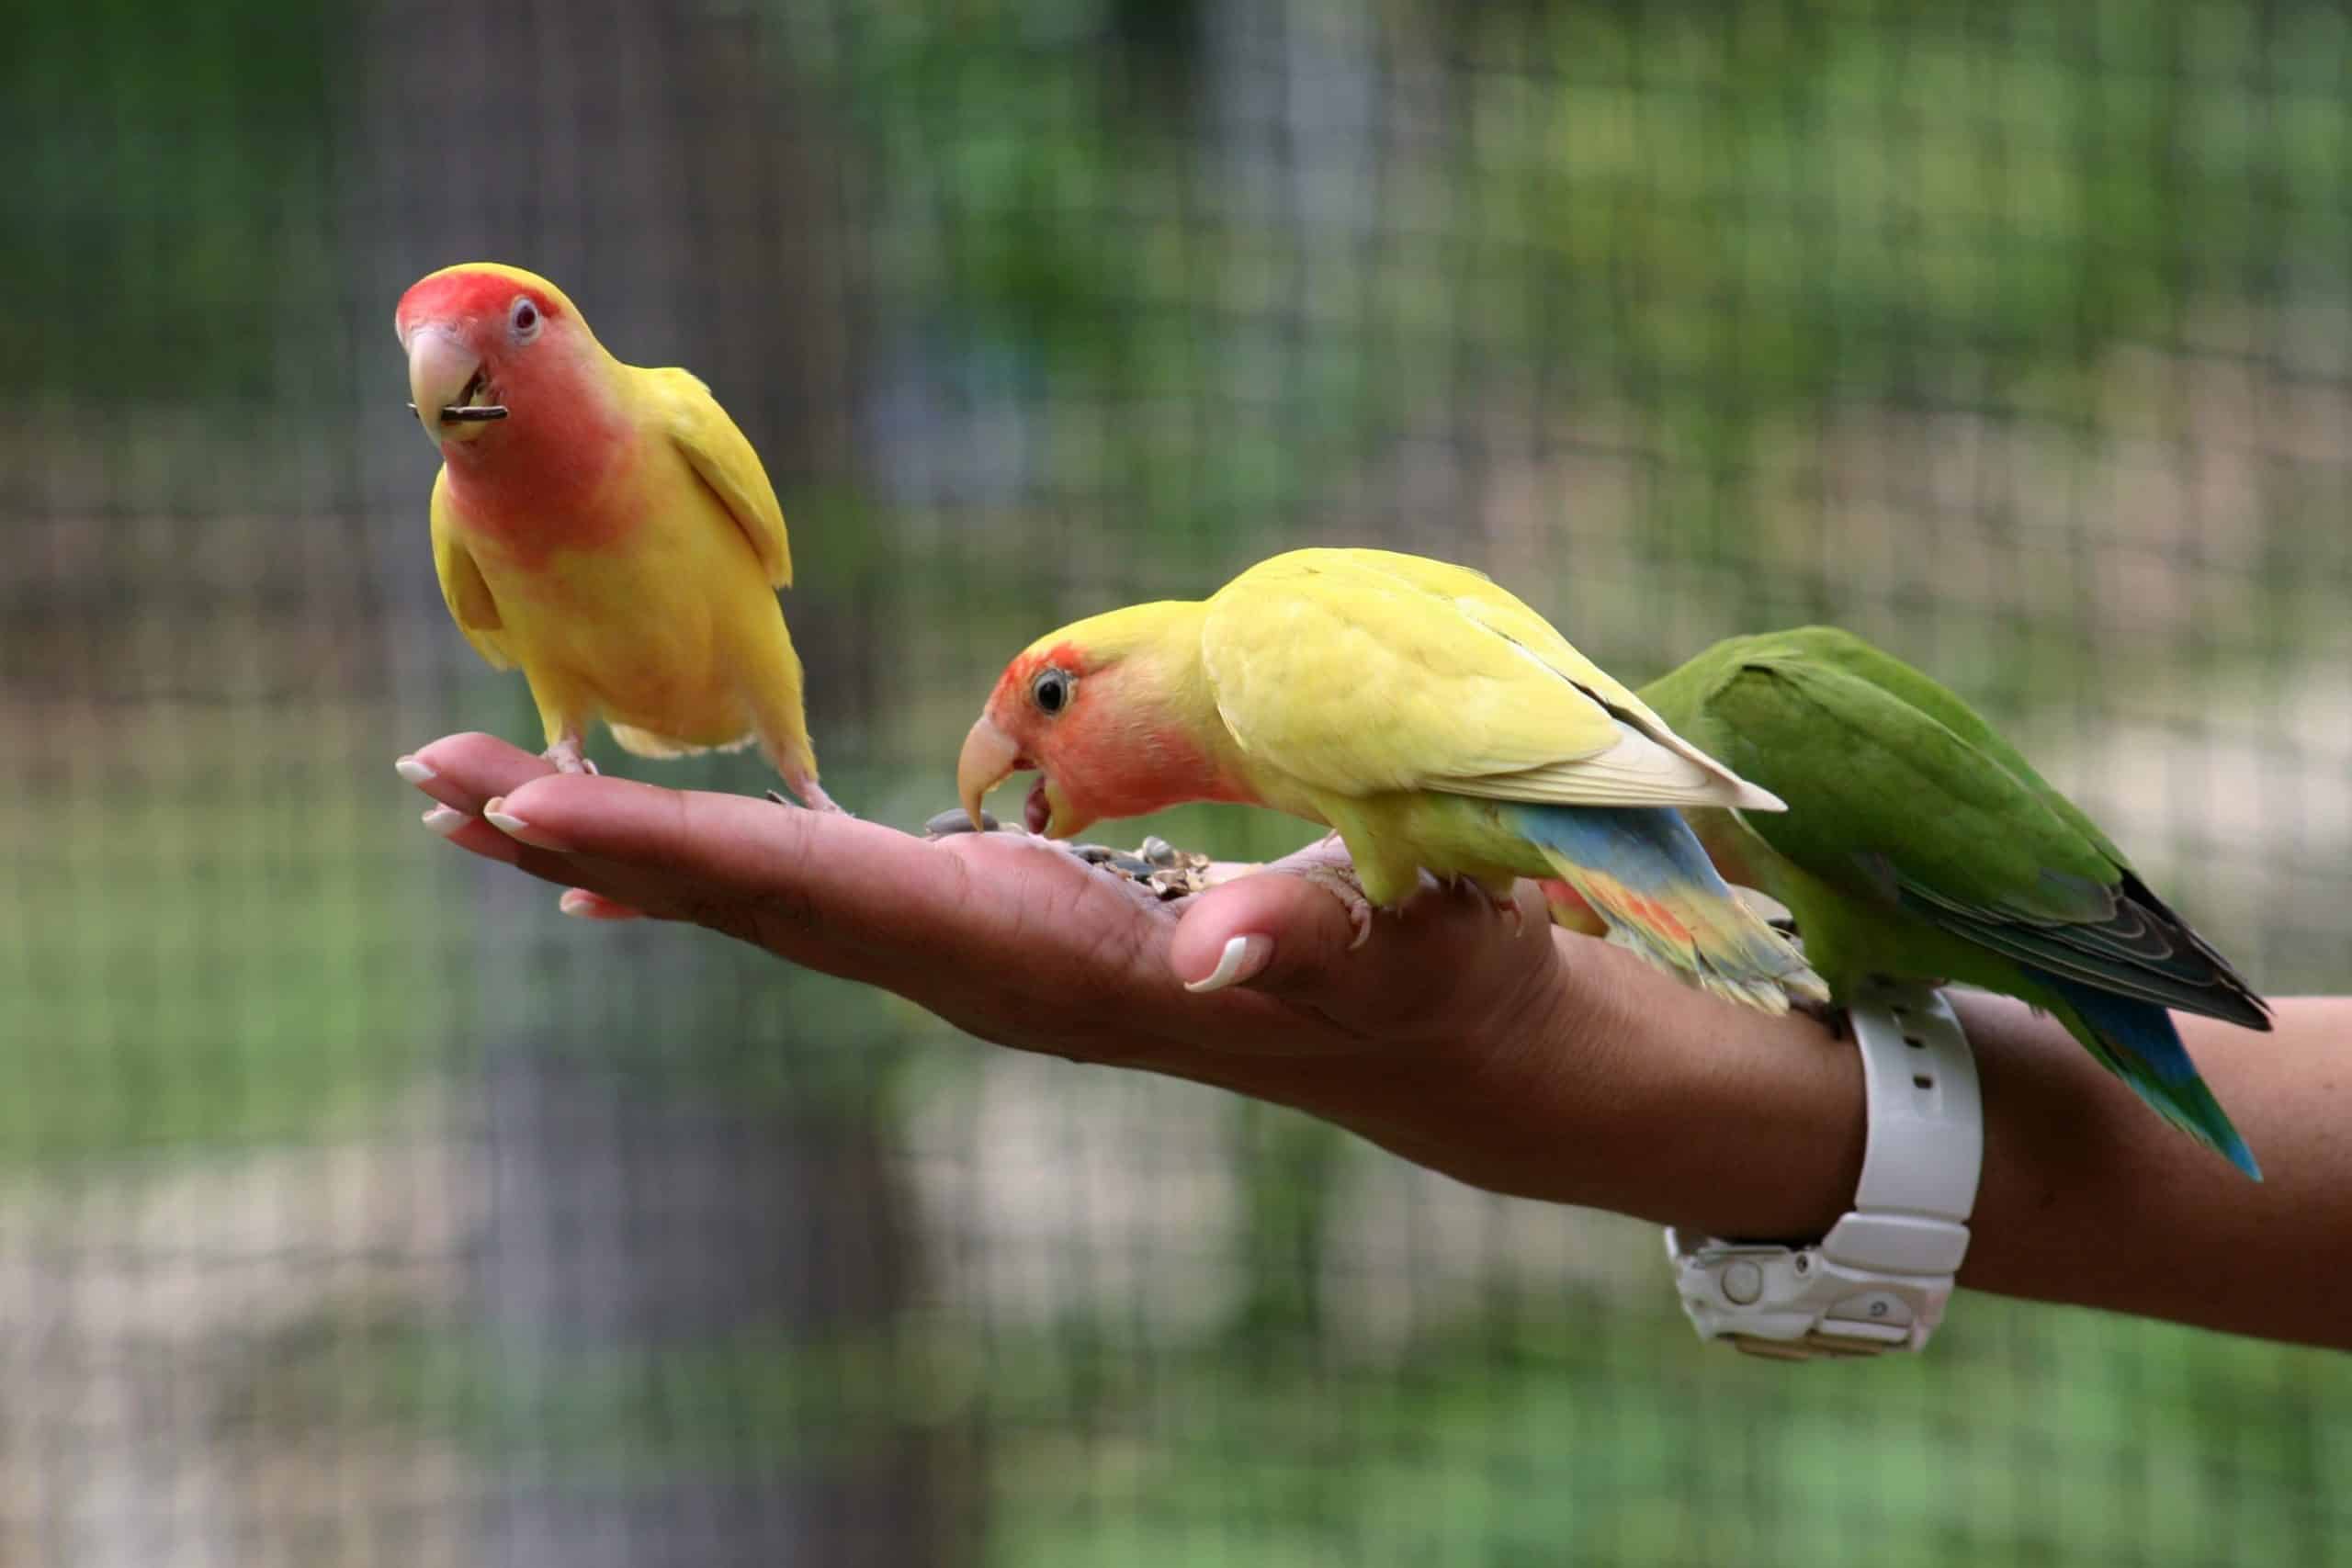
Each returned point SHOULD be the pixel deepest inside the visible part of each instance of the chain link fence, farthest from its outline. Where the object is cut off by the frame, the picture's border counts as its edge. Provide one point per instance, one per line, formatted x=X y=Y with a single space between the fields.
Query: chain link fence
x=355 y=1209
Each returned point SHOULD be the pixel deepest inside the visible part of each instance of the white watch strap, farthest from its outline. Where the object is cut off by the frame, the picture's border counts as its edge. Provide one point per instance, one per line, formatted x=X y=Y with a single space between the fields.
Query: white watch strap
x=1879 y=1281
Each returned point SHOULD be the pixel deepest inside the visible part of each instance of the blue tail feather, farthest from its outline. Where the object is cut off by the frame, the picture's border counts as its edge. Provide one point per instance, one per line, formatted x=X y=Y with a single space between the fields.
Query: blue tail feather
x=1647 y=848
x=2139 y=1042
x=1642 y=871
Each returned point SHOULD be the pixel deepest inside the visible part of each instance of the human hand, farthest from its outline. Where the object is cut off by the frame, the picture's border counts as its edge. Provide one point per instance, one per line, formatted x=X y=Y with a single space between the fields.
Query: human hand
x=1495 y=1051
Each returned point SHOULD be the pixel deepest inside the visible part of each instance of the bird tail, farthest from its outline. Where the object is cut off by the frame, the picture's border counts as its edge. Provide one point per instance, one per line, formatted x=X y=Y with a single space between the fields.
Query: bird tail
x=1642 y=872
x=2137 y=1042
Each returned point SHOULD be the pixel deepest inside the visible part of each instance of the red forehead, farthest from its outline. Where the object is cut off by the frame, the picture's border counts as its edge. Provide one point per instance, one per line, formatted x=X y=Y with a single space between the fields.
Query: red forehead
x=1062 y=656
x=466 y=295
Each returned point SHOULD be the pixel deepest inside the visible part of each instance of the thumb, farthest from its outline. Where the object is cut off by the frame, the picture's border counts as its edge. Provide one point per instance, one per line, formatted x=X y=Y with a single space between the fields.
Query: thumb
x=1275 y=931
x=1287 y=931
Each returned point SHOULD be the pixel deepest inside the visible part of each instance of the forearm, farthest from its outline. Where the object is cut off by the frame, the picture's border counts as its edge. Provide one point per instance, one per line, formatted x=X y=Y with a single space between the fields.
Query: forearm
x=2086 y=1196
x=1648 y=1098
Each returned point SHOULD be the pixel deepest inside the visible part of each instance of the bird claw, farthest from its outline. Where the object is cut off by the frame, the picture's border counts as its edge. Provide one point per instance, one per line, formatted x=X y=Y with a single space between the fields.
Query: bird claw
x=1505 y=903
x=1342 y=883
x=812 y=797
x=569 y=756
x=948 y=823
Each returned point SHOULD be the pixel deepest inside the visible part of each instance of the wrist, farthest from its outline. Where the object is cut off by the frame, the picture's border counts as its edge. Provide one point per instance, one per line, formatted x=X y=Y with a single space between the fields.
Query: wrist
x=1731 y=1121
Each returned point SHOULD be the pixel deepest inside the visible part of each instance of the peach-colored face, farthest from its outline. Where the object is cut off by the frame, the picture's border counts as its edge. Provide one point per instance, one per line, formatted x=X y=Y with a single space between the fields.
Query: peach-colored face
x=1100 y=737
x=476 y=339
x=1035 y=721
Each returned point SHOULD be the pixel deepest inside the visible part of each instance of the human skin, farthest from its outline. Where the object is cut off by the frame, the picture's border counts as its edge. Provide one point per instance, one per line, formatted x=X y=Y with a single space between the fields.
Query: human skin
x=1529 y=1061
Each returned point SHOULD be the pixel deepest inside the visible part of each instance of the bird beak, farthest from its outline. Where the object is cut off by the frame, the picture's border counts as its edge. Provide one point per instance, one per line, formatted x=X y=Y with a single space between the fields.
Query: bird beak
x=989 y=757
x=446 y=379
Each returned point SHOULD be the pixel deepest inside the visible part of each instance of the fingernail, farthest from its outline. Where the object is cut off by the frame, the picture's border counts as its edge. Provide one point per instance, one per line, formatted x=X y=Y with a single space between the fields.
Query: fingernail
x=584 y=905
x=514 y=827
x=413 y=772
x=1243 y=958
x=445 y=820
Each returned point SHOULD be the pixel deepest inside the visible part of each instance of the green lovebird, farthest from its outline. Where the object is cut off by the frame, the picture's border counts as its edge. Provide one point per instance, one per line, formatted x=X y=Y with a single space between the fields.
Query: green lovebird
x=1919 y=845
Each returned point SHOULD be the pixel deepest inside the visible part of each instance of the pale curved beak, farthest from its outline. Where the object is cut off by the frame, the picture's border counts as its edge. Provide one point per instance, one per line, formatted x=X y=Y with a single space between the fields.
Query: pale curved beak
x=988 y=759
x=441 y=374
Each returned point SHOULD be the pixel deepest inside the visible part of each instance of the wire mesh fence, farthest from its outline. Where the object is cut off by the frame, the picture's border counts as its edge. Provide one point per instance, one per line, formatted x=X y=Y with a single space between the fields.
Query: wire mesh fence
x=353 y=1208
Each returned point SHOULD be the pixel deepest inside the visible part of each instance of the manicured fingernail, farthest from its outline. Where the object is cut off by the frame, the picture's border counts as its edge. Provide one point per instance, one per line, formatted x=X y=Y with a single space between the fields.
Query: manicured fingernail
x=584 y=905
x=413 y=772
x=1243 y=958
x=445 y=820
x=515 y=828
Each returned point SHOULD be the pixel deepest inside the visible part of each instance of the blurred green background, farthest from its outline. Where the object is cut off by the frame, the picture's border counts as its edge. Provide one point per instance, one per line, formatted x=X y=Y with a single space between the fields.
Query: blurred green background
x=354 y=1207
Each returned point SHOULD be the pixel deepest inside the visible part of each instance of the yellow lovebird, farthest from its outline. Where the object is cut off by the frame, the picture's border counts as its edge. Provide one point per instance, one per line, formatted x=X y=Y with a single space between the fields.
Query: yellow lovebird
x=606 y=527
x=1432 y=719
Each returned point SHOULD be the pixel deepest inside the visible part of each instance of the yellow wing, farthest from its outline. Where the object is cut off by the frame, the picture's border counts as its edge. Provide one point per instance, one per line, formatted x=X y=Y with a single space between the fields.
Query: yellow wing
x=1359 y=671
x=462 y=587
x=724 y=458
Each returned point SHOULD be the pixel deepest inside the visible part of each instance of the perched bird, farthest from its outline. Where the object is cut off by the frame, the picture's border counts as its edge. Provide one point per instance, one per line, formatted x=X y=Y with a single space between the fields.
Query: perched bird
x=1432 y=719
x=1919 y=845
x=607 y=527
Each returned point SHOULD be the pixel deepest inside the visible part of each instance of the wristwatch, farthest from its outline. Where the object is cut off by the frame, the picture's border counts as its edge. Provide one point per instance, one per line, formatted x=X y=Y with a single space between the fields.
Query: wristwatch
x=1879 y=1281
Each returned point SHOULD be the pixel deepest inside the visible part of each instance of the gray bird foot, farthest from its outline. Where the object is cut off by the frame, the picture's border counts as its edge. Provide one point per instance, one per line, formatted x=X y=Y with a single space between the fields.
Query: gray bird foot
x=569 y=758
x=1342 y=883
x=1504 y=904
x=812 y=796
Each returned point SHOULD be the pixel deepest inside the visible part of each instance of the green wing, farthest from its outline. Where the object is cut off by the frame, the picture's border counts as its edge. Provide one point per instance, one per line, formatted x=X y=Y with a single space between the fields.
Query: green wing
x=1842 y=650
x=1899 y=792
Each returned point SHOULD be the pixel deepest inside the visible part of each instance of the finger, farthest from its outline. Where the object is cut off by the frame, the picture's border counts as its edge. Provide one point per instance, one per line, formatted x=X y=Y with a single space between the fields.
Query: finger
x=821 y=878
x=581 y=904
x=466 y=772
x=470 y=832
x=1282 y=935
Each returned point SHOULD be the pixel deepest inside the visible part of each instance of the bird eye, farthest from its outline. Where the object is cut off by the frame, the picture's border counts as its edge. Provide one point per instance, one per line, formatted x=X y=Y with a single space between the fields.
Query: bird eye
x=1051 y=689
x=524 y=317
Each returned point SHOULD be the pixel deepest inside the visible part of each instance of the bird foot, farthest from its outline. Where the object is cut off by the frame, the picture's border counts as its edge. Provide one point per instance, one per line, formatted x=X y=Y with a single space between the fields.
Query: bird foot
x=1342 y=883
x=1505 y=903
x=812 y=796
x=569 y=756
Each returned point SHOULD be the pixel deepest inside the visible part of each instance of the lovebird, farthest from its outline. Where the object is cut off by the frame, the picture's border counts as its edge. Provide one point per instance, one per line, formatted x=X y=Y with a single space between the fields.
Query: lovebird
x=607 y=527
x=1919 y=845
x=1428 y=716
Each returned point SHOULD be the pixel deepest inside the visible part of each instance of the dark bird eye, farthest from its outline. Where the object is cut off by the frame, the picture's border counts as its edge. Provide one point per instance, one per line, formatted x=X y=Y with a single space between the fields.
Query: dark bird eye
x=1052 y=690
x=525 y=317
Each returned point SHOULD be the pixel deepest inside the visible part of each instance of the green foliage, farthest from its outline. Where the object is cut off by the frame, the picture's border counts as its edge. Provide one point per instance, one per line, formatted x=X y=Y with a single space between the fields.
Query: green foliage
x=1589 y=1434
x=1571 y=1430
x=191 y=964
x=1717 y=221
x=166 y=201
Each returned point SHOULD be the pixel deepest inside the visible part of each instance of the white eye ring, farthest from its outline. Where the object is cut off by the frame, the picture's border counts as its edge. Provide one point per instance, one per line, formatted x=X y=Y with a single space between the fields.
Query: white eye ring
x=1052 y=690
x=524 y=318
